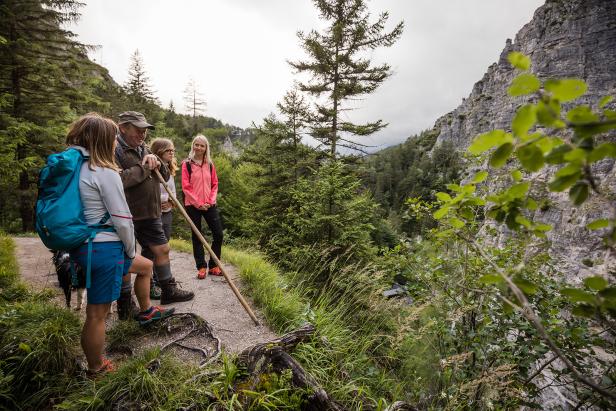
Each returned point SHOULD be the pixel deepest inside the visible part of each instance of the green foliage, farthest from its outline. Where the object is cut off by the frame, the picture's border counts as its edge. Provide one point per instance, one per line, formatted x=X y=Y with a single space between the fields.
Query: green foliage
x=411 y=173
x=513 y=203
x=38 y=354
x=330 y=209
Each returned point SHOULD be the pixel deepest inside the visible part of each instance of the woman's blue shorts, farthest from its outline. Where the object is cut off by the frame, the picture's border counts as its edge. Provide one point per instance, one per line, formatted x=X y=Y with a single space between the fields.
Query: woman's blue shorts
x=109 y=263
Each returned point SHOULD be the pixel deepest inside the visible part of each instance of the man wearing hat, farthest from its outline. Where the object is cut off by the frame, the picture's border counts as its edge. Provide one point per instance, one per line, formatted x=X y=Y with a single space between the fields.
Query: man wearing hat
x=142 y=190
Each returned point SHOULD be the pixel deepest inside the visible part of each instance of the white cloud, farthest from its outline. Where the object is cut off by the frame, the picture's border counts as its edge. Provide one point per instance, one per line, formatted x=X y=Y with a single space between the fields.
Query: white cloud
x=237 y=51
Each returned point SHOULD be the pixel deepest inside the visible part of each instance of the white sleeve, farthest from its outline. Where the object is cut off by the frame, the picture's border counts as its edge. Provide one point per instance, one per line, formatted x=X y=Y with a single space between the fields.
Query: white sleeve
x=171 y=185
x=112 y=193
x=164 y=197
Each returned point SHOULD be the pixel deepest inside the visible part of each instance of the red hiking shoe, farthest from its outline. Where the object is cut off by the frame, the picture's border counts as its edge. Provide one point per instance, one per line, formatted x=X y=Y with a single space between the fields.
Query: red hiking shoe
x=216 y=271
x=202 y=273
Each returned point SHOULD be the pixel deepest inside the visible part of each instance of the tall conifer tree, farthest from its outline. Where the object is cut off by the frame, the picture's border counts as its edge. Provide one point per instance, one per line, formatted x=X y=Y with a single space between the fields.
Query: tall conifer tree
x=340 y=70
x=42 y=86
x=138 y=85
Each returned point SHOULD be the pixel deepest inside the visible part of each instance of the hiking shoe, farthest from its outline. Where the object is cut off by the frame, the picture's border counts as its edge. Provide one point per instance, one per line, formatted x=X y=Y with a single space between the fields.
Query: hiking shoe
x=154 y=313
x=126 y=307
x=171 y=293
x=155 y=292
x=108 y=366
x=202 y=273
x=216 y=271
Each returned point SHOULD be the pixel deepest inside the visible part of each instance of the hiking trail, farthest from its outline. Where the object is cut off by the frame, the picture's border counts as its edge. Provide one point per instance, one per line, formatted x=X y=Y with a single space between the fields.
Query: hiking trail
x=214 y=301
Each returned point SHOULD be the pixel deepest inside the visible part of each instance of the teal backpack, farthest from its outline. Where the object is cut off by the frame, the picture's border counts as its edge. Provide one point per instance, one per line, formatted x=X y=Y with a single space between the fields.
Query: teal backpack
x=60 y=221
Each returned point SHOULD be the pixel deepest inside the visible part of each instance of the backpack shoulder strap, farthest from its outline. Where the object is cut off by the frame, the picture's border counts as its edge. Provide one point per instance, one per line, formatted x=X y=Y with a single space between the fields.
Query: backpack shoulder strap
x=188 y=167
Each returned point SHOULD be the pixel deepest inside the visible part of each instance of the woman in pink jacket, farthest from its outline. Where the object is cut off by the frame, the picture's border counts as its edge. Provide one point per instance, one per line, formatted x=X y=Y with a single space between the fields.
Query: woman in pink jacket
x=200 y=187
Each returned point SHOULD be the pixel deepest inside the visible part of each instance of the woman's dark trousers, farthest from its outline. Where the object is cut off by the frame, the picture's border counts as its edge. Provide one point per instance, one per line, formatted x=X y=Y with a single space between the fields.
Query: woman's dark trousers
x=212 y=218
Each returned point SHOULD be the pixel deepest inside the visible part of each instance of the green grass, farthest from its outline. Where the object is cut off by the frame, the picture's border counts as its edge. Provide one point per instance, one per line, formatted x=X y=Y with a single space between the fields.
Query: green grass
x=9 y=272
x=347 y=359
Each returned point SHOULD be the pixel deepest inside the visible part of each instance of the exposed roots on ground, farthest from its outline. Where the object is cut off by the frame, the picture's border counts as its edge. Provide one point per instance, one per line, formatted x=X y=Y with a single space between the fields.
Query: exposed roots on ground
x=274 y=356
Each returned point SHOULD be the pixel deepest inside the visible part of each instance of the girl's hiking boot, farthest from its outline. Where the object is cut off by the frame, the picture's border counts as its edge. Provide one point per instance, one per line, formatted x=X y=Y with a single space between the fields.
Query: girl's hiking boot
x=107 y=366
x=171 y=293
x=202 y=273
x=216 y=271
x=154 y=313
x=126 y=307
x=155 y=292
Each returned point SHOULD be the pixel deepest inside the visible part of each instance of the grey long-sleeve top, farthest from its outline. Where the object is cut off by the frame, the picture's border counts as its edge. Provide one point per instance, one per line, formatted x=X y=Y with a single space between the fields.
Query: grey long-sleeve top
x=102 y=192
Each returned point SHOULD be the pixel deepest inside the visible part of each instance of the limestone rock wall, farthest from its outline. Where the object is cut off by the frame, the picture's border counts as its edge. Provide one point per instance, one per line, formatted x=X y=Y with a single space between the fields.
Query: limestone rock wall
x=566 y=38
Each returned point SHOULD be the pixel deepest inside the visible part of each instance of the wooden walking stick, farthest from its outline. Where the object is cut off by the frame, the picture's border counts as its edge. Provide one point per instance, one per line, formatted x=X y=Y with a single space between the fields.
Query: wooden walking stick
x=208 y=248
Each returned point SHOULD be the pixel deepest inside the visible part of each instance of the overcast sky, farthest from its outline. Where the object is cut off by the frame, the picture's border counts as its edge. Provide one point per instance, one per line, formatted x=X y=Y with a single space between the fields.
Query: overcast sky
x=237 y=52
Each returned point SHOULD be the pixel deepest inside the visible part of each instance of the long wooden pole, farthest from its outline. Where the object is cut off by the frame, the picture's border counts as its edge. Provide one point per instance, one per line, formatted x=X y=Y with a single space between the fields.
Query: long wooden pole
x=208 y=248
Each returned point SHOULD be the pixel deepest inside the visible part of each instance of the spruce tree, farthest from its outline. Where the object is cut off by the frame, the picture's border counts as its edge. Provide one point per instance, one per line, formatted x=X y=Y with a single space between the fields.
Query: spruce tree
x=138 y=85
x=340 y=70
x=43 y=84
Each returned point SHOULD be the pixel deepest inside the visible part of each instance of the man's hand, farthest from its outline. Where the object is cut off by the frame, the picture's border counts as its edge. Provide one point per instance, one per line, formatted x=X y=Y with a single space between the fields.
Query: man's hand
x=150 y=161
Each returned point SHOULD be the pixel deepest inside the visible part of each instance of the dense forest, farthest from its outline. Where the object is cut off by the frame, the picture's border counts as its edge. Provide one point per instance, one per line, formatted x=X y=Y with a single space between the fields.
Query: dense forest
x=483 y=317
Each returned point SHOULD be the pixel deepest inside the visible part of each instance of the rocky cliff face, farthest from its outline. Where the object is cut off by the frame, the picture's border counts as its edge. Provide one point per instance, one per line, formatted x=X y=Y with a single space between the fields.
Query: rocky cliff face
x=566 y=38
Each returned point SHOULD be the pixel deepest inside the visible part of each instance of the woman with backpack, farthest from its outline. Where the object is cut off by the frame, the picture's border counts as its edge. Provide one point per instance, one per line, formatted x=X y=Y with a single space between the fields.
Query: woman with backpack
x=200 y=187
x=112 y=253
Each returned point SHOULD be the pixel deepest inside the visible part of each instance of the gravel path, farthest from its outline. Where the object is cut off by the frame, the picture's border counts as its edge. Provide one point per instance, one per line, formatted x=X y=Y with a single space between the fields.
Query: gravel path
x=214 y=300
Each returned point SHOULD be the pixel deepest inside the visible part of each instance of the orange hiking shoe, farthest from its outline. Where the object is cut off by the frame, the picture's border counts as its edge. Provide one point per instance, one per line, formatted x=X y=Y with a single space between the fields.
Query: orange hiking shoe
x=216 y=271
x=202 y=273
x=108 y=366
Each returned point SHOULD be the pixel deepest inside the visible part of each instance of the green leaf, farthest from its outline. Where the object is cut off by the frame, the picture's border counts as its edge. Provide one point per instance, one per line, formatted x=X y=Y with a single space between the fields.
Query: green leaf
x=25 y=347
x=562 y=183
x=598 y=224
x=546 y=144
x=576 y=154
x=596 y=283
x=523 y=221
x=582 y=114
x=453 y=187
x=524 y=120
x=608 y=293
x=516 y=175
x=605 y=101
x=441 y=212
x=491 y=279
x=566 y=89
x=579 y=193
x=548 y=113
x=501 y=155
x=479 y=177
x=486 y=141
x=583 y=310
x=456 y=222
x=578 y=296
x=569 y=169
x=519 y=60
x=556 y=156
x=444 y=197
x=530 y=157
x=602 y=151
x=524 y=84
x=517 y=190
x=526 y=286
x=531 y=204
x=542 y=227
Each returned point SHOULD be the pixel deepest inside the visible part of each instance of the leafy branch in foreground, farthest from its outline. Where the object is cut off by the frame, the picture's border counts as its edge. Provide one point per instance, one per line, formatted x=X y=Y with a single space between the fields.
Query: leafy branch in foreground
x=543 y=133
